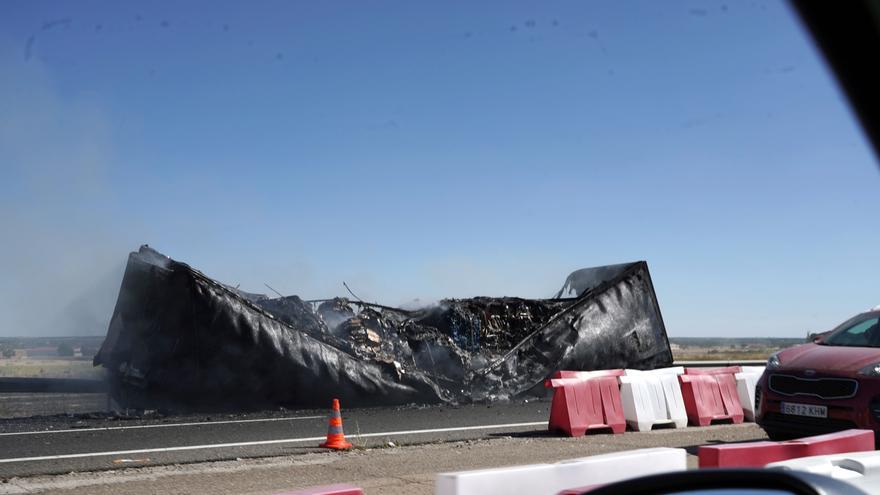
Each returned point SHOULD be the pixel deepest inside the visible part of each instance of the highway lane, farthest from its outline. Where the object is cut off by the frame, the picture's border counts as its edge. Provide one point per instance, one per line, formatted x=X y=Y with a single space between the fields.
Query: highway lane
x=408 y=469
x=60 y=445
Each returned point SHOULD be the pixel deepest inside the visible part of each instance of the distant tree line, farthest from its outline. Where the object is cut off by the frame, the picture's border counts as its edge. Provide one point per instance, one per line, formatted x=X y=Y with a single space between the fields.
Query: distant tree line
x=6 y=351
x=734 y=341
x=65 y=350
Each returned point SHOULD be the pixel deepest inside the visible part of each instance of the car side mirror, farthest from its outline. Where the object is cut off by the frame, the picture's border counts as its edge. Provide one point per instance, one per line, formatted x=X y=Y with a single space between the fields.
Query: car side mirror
x=818 y=339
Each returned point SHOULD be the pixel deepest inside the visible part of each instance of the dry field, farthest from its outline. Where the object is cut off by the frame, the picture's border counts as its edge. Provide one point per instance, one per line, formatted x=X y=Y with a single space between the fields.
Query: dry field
x=18 y=367
x=717 y=349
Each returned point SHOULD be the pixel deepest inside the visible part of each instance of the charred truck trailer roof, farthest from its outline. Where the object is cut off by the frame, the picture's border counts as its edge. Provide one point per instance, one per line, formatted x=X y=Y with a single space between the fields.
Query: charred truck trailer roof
x=178 y=336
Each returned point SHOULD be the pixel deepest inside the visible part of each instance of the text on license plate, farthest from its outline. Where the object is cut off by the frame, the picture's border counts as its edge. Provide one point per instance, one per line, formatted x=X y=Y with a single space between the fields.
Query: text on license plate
x=810 y=410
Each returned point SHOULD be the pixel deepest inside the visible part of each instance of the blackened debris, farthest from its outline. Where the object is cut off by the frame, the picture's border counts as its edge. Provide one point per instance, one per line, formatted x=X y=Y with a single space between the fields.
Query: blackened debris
x=490 y=324
x=177 y=336
x=335 y=311
x=293 y=311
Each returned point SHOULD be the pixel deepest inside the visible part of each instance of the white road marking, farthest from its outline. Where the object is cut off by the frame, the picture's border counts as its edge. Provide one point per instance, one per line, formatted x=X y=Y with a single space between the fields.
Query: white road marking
x=265 y=442
x=162 y=425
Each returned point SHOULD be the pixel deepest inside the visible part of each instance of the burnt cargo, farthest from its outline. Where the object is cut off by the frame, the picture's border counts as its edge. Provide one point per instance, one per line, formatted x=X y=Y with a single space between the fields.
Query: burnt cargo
x=179 y=337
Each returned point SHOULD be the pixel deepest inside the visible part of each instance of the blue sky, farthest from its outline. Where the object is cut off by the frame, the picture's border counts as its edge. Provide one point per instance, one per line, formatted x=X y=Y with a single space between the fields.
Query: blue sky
x=428 y=150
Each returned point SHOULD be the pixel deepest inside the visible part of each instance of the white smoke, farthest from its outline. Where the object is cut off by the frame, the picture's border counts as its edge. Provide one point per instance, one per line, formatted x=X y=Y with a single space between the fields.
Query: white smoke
x=63 y=247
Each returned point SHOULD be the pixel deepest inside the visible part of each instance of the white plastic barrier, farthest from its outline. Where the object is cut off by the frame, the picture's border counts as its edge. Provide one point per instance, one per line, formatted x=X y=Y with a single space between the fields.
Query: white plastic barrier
x=618 y=466
x=861 y=469
x=549 y=479
x=753 y=369
x=745 y=387
x=652 y=398
x=530 y=479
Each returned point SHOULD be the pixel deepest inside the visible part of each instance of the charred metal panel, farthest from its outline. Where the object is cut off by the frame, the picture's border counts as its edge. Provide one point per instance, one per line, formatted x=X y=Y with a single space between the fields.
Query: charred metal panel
x=180 y=336
x=614 y=324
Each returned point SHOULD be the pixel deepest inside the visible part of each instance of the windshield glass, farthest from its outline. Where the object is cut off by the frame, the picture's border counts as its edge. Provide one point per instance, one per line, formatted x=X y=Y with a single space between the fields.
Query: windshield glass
x=426 y=151
x=236 y=212
x=863 y=331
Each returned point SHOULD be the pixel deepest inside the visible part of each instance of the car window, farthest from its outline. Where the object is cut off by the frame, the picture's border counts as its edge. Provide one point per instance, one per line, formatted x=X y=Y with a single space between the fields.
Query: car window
x=862 y=334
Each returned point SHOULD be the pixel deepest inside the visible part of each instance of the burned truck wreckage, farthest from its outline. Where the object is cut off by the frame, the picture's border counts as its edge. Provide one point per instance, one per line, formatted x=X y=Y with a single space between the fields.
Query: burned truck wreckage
x=178 y=337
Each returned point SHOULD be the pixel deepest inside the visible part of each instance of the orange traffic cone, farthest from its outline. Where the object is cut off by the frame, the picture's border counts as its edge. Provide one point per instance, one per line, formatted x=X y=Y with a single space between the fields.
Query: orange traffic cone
x=335 y=436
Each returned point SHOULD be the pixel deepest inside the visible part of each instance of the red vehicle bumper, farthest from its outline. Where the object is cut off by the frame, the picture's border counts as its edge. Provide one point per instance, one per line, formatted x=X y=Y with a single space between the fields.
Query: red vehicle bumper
x=862 y=410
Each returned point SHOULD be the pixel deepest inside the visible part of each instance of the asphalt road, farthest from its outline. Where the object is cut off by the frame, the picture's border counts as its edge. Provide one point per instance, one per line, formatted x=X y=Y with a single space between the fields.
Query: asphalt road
x=66 y=444
x=407 y=470
x=23 y=405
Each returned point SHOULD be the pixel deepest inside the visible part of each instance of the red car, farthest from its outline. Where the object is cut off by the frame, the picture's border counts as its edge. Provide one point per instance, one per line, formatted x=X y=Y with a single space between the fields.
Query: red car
x=830 y=384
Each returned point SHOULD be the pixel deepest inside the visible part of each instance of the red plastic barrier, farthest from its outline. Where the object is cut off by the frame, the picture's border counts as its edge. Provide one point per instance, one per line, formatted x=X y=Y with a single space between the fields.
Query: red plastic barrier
x=759 y=454
x=340 y=489
x=579 y=490
x=587 y=374
x=585 y=401
x=710 y=395
x=730 y=370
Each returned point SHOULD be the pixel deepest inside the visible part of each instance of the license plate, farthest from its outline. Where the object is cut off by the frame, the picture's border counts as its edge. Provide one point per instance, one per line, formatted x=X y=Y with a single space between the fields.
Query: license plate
x=804 y=410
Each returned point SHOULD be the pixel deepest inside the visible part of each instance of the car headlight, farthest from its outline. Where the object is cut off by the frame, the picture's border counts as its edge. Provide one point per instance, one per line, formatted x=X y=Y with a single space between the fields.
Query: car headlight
x=773 y=362
x=871 y=370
